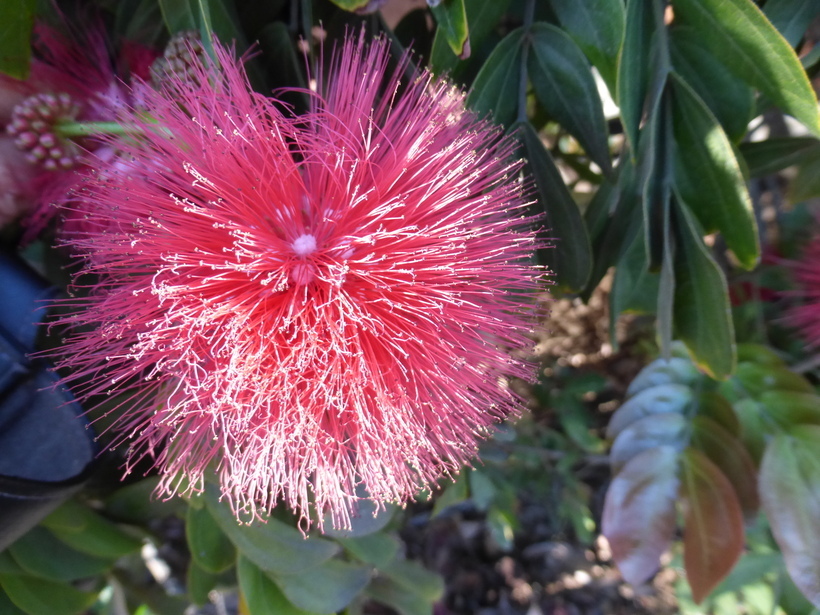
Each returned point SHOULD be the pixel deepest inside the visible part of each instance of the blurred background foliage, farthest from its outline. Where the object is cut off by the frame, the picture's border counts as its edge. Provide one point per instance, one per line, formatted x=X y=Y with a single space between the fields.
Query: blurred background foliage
x=672 y=149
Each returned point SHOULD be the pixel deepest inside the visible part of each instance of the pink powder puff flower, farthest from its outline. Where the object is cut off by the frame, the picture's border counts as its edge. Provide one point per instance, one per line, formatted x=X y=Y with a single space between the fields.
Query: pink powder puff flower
x=312 y=309
x=806 y=316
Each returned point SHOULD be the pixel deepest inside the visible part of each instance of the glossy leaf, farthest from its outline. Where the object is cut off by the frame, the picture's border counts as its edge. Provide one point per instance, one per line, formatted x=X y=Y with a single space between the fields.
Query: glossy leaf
x=564 y=85
x=326 y=588
x=730 y=99
x=81 y=528
x=659 y=399
x=42 y=597
x=639 y=512
x=732 y=459
x=16 y=23
x=713 y=528
x=597 y=26
x=708 y=177
x=210 y=547
x=791 y=17
x=262 y=596
x=571 y=257
x=669 y=428
x=789 y=408
x=633 y=69
x=772 y=155
x=790 y=495
x=482 y=16
x=451 y=17
x=272 y=545
x=702 y=312
x=675 y=370
x=739 y=35
x=41 y=554
x=495 y=89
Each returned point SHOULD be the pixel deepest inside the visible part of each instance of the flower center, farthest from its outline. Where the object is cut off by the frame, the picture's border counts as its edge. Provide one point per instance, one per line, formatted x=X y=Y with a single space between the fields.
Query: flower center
x=304 y=245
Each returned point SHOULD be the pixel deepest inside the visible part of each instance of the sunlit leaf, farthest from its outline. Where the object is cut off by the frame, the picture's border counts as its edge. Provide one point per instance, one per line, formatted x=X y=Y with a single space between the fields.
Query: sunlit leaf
x=708 y=177
x=482 y=16
x=451 y=17
x=564 y=85
x=713 y=528
x=739 y=35
x=639 y=512
x=790 y=495
x=495 y=89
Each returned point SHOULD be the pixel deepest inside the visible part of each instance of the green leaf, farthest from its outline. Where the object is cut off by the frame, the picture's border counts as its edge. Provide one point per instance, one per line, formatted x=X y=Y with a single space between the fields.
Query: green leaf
x=790 y=495
x=137 y=503
x=730 y=99
x=791 y=17
x=41 y=597
x=806 y=185
x=703 y=318
x=789 y=408
x=633 y=68
x=495 y=89
x=731 y=457
x=81 y=528
x=261 y=594
x=326 y=588
x=413 y=576
x=634 y=288
x=7 y=607
x=41 y=554
x=366 y=519
x=178 y=15
x=451 y=17
x=199 y=582
x=773 y=155
x=374 y=549
x=716 y=407
x=404 y=601
x=564 y=85
x=713 y=527
x=482 y=16
x=571 y=258
x=351 y=5
x=668 y=428
x=639 y=512
x=209 y=545
x=597 y=26
x=660 y=399
x=270 y=544
x=16 y=24
x=708 y=178
x=754 y=379
x=737 y=33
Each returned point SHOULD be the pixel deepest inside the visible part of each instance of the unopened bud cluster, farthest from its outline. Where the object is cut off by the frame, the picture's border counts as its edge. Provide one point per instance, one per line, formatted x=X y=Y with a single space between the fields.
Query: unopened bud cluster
x=182 y=54
x=33 y=124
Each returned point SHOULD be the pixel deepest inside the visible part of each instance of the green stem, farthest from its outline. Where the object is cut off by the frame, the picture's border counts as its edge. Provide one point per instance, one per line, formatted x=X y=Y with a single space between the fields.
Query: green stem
x=529 y=17
x=90 y=129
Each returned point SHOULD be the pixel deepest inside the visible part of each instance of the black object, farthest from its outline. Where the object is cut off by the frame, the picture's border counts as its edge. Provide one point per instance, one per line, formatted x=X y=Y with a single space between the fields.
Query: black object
x=46 y=447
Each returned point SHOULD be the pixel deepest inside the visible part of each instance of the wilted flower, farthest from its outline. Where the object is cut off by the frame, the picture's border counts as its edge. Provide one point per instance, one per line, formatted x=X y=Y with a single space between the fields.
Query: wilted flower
x=309 y=307
x=806 y=316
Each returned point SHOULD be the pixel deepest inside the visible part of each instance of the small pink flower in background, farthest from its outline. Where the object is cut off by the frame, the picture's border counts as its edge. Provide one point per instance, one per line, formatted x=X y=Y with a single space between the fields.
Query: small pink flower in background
x=806 y=316
x=309 y=306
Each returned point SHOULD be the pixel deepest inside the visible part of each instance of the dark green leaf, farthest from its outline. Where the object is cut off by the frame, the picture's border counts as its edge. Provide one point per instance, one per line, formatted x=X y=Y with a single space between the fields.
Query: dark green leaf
x=598 y=28
x=731 y=457
x=791 y=17
x=178 y=15
x=633 y=68
x=261 y=594
x=495 y=89
x=703 y=318
x=773 y=155
x=806 y=185
x=451 y=17
x=713 y=528
x=199 y=582
x=41 y=554
x=789 y=408
x=753 y=428
x=41 y=597
x=81 y=528
x=137 y=503
x=708 y=178
x=571 y=258
x=730 y=99
x=405 y=601
x=634 y=288
x=564 y=85
x=717 y=408
x=16 y=23
x=755 y=379
x=482 y=16
x=639 y=512
x=366 y=519
x=270 y=544
x=415 y=577
x=738 y=34
x=790 y=495
x=7 y=607
x=209 y=546
x=326 y=588
x=375 y=549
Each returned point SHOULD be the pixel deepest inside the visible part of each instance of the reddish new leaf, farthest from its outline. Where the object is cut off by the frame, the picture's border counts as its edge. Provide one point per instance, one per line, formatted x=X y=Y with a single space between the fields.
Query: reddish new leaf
x=713 y=533
x=731 y=457
x=790 y=496
x=639 y=512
